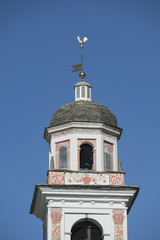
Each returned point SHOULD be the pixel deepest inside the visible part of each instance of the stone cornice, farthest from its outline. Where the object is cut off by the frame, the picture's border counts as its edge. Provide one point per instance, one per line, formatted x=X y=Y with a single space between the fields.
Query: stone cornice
x=108 y=129
x=45 y=192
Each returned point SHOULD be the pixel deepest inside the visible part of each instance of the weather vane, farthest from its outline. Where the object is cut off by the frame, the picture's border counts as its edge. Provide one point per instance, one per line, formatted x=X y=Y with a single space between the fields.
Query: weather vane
x=79 y=67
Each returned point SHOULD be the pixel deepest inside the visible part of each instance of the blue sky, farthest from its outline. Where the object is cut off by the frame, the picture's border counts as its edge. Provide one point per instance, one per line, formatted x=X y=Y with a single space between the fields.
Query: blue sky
x=38 y=46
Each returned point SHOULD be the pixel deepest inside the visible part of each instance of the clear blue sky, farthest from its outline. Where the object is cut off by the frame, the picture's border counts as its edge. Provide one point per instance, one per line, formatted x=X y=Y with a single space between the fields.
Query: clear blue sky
x=122 y=60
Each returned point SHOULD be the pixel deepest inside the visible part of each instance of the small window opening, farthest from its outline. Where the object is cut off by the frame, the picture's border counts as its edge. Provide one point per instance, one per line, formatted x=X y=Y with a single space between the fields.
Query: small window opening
x=78 y=92
x=108 y=158
x=86 y=157
x=83 y=91
x=63 y=157
x=88 y=92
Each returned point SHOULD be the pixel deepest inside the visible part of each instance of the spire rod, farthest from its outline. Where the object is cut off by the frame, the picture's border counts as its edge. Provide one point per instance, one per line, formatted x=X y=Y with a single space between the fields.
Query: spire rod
x=82 y=55
x=82 y=42
x=79 y=67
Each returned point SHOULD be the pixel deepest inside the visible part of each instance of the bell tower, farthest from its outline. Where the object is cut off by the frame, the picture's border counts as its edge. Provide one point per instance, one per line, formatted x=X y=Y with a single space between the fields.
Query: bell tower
x=85 y=196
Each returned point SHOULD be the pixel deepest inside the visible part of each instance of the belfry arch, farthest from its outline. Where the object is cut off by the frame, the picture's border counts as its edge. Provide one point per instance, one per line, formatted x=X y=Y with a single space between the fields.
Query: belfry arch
x=86 y=156
x=87 y=229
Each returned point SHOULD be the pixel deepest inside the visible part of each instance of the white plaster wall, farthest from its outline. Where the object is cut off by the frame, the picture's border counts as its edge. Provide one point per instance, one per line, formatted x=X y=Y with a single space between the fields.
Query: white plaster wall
x=77 y=204
x=52 y=151
x=71 y=215
x=116 y=156
x=125 y=227
x=98 y=152
x=73 y=152
x=49 y=226
x=73 y=137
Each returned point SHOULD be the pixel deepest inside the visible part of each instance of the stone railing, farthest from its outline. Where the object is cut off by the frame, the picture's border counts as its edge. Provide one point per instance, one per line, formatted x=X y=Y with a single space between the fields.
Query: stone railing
x=85 y=177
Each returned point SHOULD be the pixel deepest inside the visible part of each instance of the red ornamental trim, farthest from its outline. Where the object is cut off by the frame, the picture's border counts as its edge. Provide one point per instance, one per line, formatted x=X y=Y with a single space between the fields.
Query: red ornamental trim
x=118 y=216
x=62 y=133
x=118 y=219
x=57 y=145
x=56 y=231
x=93 y=141
x=56 y=215
x=116 y=178
x=108 y=135
x=86 y=178
x=56 y=178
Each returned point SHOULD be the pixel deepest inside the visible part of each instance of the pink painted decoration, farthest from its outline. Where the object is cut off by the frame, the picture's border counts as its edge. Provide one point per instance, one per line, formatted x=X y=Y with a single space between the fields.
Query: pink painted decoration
x=118 y=218
x=56 y=216
x=62 y=133
x=86 y=178
x=116 y=178
x=56 y=177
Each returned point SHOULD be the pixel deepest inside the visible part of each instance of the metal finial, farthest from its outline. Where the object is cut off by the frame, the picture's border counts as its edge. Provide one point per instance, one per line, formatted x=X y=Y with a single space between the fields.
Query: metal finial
x=82 y=75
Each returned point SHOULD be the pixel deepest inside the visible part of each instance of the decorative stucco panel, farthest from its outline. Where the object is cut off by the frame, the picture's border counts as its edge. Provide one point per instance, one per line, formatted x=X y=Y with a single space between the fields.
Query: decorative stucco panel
x=118 y=218
x=86 y=178
x=56 y=178
x=116 y=178
x=56 y=216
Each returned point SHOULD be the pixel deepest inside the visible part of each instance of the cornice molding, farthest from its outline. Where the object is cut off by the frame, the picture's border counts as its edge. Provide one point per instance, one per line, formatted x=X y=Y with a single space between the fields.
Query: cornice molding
x=75 y=126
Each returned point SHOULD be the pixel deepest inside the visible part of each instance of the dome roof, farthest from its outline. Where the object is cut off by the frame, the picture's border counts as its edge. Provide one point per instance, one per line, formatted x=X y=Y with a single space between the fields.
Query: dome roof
x=82 y=83
x=83 y=111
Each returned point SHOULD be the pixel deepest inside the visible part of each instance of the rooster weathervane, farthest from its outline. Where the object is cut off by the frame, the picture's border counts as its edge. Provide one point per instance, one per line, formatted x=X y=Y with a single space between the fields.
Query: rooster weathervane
x=82 y=41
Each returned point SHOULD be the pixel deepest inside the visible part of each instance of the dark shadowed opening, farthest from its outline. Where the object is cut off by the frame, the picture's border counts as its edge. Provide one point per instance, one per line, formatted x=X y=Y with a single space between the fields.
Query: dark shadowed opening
x=86 y=157
x=86 y=230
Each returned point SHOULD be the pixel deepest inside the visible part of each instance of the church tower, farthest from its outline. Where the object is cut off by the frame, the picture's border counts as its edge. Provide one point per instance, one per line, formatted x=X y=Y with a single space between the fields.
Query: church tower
x=85 y=196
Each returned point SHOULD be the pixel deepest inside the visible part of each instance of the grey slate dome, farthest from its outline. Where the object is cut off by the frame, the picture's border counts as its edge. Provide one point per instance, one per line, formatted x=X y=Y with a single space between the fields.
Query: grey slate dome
x=83 y=111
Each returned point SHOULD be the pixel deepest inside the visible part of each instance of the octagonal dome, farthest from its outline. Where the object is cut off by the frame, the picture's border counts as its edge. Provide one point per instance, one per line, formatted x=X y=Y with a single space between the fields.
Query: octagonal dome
x=83 y=111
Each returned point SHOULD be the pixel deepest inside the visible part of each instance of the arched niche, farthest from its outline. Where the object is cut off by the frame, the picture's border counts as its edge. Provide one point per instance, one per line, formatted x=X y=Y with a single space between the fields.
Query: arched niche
x=62 y=160
x=108 y=158
x=87 y=229
x=63 y=156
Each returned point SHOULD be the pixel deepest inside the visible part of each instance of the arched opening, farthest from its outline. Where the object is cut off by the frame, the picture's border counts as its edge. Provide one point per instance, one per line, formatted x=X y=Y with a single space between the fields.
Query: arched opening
x=86 y=230
x=86 y=157
x=63 y=157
